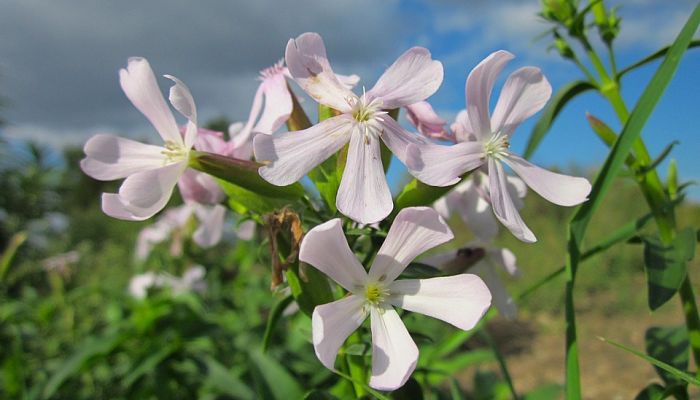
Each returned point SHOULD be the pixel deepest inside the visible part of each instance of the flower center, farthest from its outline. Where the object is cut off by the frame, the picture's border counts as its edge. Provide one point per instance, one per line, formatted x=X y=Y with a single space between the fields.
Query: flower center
x=497 y=145
x=375 y=294
x=174 y=152
x=364 y=110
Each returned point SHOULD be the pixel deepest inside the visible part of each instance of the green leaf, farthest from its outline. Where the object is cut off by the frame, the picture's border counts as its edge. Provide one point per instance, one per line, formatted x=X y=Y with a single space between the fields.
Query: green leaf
x=685 y=377
x=545 y=392
x=90 y=349
x=376 y=394
x=670 y=345
x=550 y=113
x=6 y=259
x=243 y=200
x=417 y=193
x=409 y=391
x=222 y=380
x=416 y=270
x=319 y=395
x=310 y=288
x=618 y=154
x=149 y=363
x=273 y=318
x=652 y=57
x=666 y=265
x=277 y=380
x=242 y=173
x=607 y=135
x=654 y=391
x=358 y=349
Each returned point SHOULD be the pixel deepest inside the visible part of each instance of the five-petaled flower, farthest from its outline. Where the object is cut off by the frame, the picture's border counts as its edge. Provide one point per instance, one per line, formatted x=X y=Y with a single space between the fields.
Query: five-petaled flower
x=460 y=300
x=485 y=140
x=151 y=172
x=363 y=194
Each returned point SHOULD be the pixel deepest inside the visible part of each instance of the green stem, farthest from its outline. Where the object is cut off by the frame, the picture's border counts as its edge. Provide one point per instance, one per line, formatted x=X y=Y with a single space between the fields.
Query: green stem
x=501 y=362
x=664 y=213
x=356 y=367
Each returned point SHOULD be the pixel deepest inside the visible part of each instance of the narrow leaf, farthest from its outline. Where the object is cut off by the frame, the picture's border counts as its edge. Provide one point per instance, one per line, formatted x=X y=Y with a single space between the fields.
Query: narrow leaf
x=277 y=379
x=668 y=368
x=273 y=318
x=653 y=57
x=417 y=193
x=670 y=345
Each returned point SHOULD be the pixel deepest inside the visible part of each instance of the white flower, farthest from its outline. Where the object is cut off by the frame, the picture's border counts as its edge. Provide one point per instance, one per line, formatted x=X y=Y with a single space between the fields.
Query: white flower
x=459 y=300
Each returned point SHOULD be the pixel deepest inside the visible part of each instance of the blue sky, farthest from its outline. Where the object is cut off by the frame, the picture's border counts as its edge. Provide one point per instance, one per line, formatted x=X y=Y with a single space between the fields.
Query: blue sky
x=59 y=62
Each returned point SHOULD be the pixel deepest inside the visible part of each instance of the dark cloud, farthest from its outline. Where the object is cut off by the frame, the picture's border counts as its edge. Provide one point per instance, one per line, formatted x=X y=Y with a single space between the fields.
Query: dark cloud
x=60 y=59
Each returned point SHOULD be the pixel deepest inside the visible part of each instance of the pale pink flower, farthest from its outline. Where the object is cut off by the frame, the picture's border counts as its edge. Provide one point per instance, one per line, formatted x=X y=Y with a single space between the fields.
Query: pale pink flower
x=490 y=260
x=363 y=194
x=208 y=233
x=485 y=140
x=191 y=281
x=460 y=300
x=472 y=202
x=197 y=186
x=427 y=122
x=151 y=172
x=272 y=104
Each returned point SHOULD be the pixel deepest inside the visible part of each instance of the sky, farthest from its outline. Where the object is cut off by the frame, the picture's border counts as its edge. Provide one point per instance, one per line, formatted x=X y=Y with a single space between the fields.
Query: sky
x=59 y=62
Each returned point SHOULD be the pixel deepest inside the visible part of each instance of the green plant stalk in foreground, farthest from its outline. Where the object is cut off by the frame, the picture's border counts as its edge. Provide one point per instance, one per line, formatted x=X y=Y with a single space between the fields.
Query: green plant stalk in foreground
x=649 y=182
x=659 y=203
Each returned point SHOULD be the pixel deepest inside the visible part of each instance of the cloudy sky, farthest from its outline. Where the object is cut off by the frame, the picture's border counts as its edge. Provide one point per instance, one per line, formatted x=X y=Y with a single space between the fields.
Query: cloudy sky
x=59 y=60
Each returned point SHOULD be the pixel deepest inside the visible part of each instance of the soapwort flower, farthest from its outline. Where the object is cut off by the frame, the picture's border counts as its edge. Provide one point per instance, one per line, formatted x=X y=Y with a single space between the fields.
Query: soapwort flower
x=460 y=300
x=272 y=104
x=151 y=172
x=484 y=140
x=363 y=194
x=472 y=202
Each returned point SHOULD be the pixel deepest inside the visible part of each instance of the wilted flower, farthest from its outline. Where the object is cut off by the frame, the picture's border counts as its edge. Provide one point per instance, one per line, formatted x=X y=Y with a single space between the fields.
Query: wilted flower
x=151 y=172
x=363 y=194
x=460 y=300
x=485 y=140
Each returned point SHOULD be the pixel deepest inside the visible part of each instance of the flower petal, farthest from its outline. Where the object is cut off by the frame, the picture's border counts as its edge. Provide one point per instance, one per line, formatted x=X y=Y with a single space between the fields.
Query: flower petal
x=111 y=157
x=462 y=128
x=139 y=84
x=145 y=193
x=332 y=323
x=115 y=207
x=278 y=104
x=308 y=64
x=427 y=122
x=413 y=77
x=199 y=187
x=563 y=190
x=364 y=194
x=394 y=354
x=181 y=99
x=478 y=89
x=476 y=212
x=211 y=225
x=293 y=154
x=460 y=300
x=397 y=139
x=500 y=296
x=525 y=92
x=505 y=259
x=415 y=230
x=503 y=205
x=326 y=249
x=439 y=165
